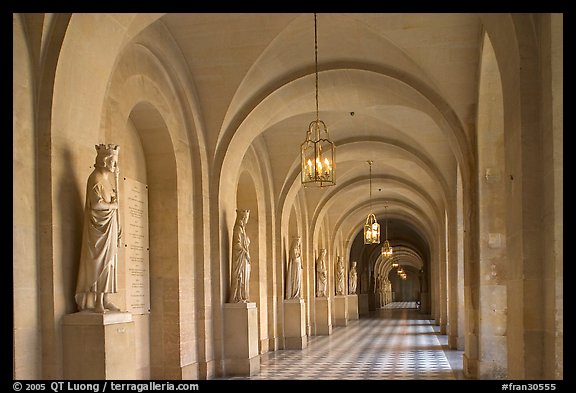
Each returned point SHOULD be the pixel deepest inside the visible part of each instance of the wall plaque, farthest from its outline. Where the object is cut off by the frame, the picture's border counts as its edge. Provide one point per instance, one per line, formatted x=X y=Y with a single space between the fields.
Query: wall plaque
x=136 y=246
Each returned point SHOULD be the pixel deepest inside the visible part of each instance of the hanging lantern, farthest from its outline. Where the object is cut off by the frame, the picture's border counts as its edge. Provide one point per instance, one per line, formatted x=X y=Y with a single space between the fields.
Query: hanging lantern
x=371 y=230
x=386 y=248
x=317 y=157
x=317 y=152
x=371 y=227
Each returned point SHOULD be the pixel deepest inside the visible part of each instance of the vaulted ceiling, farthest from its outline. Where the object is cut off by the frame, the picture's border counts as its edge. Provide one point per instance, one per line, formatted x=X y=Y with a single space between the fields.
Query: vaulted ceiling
x=397 y=89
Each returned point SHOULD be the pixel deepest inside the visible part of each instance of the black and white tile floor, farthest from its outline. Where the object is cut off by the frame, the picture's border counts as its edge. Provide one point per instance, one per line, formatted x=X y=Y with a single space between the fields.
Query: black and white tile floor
x=397 y=342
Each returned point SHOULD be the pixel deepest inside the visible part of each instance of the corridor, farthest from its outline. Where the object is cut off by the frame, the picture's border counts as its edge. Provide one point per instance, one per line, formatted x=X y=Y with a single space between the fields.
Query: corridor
x=397 y=342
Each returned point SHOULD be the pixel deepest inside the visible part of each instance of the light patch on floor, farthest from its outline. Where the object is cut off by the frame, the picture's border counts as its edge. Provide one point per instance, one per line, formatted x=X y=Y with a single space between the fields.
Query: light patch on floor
x=396 y=342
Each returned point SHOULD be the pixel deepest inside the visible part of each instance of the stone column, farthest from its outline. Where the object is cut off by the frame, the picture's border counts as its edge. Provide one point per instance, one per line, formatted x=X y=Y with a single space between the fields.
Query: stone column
x=372 y=306
x=295 y=324
x=363 y=304
x=452 y=284
x=99 y=346
x=341 y=310
x=443 y=284
x=323 y=316
x=241 y=339
x=424 y=302
x=493 y=264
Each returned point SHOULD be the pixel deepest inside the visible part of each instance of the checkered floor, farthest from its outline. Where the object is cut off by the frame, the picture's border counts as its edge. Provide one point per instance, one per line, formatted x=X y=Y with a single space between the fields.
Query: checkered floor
x=395 y=343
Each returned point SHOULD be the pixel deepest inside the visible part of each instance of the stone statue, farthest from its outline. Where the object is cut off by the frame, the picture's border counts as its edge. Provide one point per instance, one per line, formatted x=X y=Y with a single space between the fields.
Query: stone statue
x=240 y=275
x=379 y=283
x=294 y=271
x=340 y=276
x=382 y=286
x=321 y=274
x=97 y=274
x=353 y=279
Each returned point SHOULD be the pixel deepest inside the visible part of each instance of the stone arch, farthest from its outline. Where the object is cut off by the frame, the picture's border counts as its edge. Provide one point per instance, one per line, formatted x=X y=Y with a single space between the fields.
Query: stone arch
x=139 y=97
x=253 y=191
x=247 y=198
x=322 y=241
x=523 y=43
x=410 y=259
x=151 y=130
x=268 y=103
x=26 y=194
x=429 y=101
x=295 y=228
x=492 y=215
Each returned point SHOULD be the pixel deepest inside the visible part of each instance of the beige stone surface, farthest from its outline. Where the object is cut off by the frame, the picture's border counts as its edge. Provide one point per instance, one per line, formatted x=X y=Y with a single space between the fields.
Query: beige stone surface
x=323 y=313
x=99 y=346
x=353 y=308
x=363 y=304
x=295 y=324
x=462 y=114
x=241 y=338
x=341 y=315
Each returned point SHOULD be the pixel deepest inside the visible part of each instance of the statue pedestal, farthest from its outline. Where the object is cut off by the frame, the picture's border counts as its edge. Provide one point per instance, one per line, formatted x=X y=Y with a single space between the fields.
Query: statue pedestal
x=99 y=345
x=295 y=324
x=341 y=310
x=363 y=304
x=241 y=339
x=352 y=307
x=323 y=316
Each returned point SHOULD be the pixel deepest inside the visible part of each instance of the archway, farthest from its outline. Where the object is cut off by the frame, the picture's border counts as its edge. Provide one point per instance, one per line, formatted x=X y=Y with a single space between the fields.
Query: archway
x=151 y=125
x=147 y=144
x=247 y=198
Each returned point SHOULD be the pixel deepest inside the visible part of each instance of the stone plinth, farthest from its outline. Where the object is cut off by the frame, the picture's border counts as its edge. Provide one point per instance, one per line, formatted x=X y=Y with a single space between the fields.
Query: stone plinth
x=363 y=304
x=295 y=324
x=99 y=345
x=323 y=316
x=352 y=307
x=241 y=339
x=341 y=310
